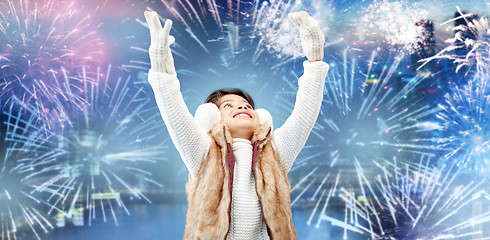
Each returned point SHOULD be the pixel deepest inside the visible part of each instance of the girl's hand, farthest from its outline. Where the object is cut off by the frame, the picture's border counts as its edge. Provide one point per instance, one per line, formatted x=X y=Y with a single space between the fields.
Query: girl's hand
x=161 y=59
x=311 y=36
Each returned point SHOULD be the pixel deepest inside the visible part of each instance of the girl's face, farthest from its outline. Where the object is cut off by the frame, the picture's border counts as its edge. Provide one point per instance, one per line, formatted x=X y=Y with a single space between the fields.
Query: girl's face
x=238 y=115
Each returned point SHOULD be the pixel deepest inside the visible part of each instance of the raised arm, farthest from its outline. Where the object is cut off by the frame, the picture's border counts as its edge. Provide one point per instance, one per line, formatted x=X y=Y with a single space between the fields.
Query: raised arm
x=190 y=140
x=290 y=138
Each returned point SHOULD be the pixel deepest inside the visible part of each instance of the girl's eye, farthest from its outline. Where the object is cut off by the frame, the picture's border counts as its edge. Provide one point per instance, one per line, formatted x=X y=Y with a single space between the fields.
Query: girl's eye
x=227 y=105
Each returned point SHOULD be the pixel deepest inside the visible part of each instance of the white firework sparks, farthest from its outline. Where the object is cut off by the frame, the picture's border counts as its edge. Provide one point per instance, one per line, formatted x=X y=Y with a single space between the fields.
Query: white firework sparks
x=414 y=201
x=396 y=23
x=465 y=126
x=371 y=113
x=109 y=151
x=29 y=153
x=470 y=46
x=276 y=33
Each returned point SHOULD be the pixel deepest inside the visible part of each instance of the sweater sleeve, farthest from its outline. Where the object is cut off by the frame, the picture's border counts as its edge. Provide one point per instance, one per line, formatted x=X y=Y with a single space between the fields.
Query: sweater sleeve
x=191 y=141
x=289 y=139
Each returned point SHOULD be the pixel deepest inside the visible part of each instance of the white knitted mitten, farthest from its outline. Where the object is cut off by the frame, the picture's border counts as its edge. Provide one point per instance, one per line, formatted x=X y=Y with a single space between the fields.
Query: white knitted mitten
x=311 y=36
x=160 y=55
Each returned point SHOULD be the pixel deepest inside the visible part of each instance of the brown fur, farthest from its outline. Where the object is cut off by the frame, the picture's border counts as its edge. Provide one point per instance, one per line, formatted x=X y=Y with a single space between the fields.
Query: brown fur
x=273 y=187
x=209 y=193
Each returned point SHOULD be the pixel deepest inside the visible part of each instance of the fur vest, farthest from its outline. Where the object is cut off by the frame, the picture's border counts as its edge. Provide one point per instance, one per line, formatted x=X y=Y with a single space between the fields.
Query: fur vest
x=209 y=192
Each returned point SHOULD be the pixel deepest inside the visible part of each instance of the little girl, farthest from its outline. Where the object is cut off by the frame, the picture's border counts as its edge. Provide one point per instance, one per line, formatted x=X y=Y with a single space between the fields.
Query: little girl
x=238 y=186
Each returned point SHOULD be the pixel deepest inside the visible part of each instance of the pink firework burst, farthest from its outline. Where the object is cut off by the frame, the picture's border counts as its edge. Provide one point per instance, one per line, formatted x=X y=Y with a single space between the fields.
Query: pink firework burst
x=38 y=36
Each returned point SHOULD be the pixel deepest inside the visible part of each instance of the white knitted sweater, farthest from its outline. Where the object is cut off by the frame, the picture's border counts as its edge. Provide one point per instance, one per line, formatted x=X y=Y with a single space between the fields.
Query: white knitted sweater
x=192 y=142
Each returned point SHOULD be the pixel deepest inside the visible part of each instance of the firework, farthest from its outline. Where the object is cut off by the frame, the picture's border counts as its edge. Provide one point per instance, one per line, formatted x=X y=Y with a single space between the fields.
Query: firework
x=469 y=48
x=464 y=127
x=116 y=137
x=372 y=111
x=275 y=33
x=37 y=37
x=400 y=24
x=49 y=106
x=414 y=201
x=195 y=14
x=371 y=106
x=29 y=152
